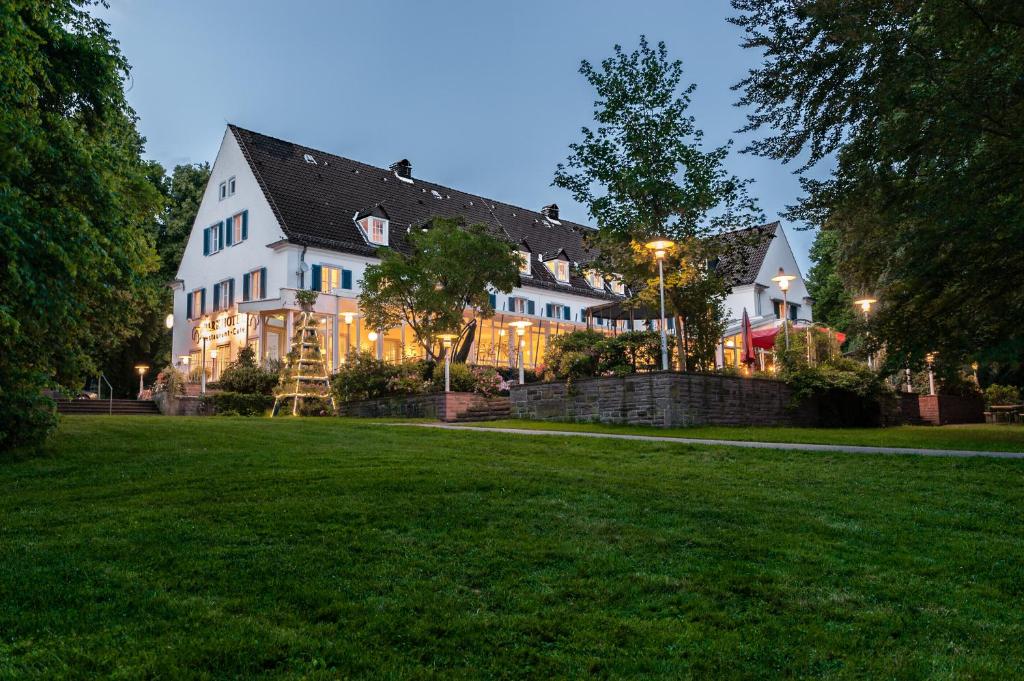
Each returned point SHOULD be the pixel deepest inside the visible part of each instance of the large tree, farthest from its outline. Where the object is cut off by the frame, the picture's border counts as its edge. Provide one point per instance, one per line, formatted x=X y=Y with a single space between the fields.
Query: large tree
x=921 y=105
x=449 y=267
x=75 y=197
x=833 y=304
x=643 y=172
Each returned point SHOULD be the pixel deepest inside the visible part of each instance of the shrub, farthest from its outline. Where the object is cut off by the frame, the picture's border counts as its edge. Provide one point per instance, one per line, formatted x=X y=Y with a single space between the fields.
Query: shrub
x=245 y=376
x=229 y=403
x=483 y=380
x=169 y=381
x=996 y=395
x=364 y=377
x=584 y=354
x=847 y=393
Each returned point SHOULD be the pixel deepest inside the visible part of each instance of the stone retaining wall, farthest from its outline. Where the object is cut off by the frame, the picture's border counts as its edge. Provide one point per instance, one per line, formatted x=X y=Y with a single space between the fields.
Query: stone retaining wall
x=442 y=406
x=663 y=399
x=940 y=410
x=179 y=406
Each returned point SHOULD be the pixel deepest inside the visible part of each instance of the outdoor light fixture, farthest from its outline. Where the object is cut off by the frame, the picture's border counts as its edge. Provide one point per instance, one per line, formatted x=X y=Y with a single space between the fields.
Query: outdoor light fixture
x=520 y=327
x=446 y=340
x=783 y=279
x=865 y=304
x=660 y=247
x=184 y=360
x=348 y=317
x=204 y=331
x=141 y=368
x=930 y=361
x=372 y=336
x=169 y=321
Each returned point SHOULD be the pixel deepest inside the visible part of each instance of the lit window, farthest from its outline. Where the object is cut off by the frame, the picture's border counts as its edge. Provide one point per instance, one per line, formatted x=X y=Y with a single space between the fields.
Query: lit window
x=197 y=304
x=377 y=230
x=524 y=263
x=237 y=228
x=255 y=290
x=559 y=268
x=618 y=288
x=519 y=305
x=330 y=278
x=595 y=280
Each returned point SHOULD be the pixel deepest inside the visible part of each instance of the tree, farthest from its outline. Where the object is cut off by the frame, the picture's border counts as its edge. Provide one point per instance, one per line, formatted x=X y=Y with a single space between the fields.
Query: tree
x=448 y=268
x=75 y=197
x=833 y=304
x=643 y=173
x=921 y=104
x=184 y=190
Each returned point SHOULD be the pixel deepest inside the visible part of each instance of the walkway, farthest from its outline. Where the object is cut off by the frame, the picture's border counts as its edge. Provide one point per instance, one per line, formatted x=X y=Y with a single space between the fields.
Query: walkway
x=849 y=449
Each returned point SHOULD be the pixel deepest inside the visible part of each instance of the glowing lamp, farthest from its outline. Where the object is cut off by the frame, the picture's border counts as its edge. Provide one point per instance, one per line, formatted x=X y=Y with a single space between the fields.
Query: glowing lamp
x=372 y=336
x=783 y=279
x=348 y=317
x=520 y=326
x=169 y=321
x=660 y=246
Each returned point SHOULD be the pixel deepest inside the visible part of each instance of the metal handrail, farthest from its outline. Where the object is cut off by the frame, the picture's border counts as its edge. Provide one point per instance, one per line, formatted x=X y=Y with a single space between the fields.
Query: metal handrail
x=99 y=393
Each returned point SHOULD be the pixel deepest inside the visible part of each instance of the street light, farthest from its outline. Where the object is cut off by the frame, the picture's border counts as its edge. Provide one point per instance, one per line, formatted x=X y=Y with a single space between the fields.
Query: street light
x=783 y=279
x=520 y=327
x=142 y=371
x=446 y=340
x=865 y=304
x=169 y=321
x=930 y=361
x=660 y=247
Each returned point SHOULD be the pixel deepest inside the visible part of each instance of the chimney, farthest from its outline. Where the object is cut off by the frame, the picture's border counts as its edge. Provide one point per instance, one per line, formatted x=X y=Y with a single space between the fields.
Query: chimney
x=550 y=212
x=402 y=168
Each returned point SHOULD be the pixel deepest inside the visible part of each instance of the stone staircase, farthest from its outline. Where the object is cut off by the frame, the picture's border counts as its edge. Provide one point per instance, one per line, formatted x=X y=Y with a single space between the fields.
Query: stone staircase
x=494 y=409
x=117 y=407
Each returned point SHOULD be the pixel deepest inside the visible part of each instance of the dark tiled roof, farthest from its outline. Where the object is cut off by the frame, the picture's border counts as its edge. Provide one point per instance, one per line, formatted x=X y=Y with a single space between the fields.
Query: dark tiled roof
x=316 y=196
x=746 y=250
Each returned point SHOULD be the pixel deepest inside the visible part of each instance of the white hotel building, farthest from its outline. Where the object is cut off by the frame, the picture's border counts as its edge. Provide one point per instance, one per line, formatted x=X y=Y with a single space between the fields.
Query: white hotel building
x=278 y=217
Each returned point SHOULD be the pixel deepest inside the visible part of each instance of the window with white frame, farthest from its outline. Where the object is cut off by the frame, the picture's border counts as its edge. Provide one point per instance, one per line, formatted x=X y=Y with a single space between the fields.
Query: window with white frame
x=255 y=291
x=330 y=278
x=519 y=305
x=231 y=186
x=237 y=228
x=618 y=288
x=559 y=268
x=375 y=229
x=212 y=237
x=196 y=308
x=524 y=263
x=223 y=194
x=223 y=297
x=595 y=280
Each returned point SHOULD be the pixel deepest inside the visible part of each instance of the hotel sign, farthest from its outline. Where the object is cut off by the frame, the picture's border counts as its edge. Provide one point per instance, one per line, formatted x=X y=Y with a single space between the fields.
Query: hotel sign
x=222 y=328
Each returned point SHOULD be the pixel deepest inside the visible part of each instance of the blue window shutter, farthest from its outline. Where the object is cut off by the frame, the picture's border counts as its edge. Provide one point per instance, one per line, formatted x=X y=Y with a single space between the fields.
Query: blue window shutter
x=346 y=279
x=314 y=278
x=202 y=302
x=245 y=287
x=230 y=231
x=263 y=283
x=566 y=313
x=188 y=305
x=206 y=241
x=547 y=311
x=220 y=230
x=493 y=300
x=511 y=304
x=231 y=292
x=245 y=225
x=216 y=297
x=530 y=308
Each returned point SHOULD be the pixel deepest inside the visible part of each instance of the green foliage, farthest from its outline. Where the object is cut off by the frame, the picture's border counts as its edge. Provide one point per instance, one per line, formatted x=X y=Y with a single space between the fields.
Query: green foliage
x=643 y=173
x=450 y=267
x=921 y=105
x=229 y=403
x=184 y=191
x=586 y=354
x=833 y=304
x=364 y=377
x=246 y=377
x=169 y=381
x=75 y=201
x=306 y=297
x=482 y=380
x=997 y=394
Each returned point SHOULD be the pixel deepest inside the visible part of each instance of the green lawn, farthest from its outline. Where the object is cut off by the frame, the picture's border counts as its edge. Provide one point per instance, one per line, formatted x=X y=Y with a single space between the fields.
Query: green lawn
x=985 y=438
x=148 y=547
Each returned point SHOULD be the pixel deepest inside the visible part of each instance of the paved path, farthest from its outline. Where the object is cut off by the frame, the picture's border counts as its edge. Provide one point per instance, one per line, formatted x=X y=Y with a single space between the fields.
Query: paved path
x=854 y=449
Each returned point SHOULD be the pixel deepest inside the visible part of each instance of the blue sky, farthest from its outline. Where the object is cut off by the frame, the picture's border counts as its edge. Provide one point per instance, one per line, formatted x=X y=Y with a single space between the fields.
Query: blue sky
x=483 y=96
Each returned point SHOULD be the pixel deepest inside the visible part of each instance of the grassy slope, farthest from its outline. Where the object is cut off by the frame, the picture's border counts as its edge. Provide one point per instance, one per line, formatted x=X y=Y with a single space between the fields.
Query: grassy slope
x=313 y=548
x=990 y=438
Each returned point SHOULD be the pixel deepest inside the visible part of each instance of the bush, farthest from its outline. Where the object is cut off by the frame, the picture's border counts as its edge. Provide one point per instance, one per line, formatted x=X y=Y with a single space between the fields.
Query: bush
x=169 y=381
x=483 y=380
x=364 y=377
x=229 y=403
x=585 y=354
x=245 y=376
x=847 y=393
x=998 y=395
x=27 y=416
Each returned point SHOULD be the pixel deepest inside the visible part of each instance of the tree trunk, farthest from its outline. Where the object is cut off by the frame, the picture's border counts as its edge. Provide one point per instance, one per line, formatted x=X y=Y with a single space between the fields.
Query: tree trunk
x=680 y=343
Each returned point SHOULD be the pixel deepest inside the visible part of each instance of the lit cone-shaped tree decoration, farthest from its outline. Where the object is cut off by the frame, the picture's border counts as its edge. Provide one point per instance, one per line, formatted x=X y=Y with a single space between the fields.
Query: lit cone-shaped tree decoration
x=304 y=379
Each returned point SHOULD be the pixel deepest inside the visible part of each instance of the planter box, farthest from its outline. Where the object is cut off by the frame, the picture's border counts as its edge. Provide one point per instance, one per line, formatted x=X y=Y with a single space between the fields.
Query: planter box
x=664 y=399
x=441 y=406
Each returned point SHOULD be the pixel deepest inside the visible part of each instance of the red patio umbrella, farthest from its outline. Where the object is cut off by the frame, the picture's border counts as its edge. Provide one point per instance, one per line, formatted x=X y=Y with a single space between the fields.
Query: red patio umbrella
x=748 y=346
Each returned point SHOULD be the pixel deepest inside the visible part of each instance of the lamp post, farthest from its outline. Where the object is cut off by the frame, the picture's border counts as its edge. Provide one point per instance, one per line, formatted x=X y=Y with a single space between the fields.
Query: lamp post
x=520 y=327
x=660 y=247
x=205 y=333
x=348 y=316
x=930 y=361
x=141 y=368
x=783 y=279
x=865 y=304
x=446 y=340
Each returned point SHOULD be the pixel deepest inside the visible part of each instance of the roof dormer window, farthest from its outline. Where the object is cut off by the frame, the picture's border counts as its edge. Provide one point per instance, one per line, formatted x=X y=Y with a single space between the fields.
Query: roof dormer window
x=617 y=287
x=524 y=263
x=559 y=268
x=374 y=225
x=595 y=280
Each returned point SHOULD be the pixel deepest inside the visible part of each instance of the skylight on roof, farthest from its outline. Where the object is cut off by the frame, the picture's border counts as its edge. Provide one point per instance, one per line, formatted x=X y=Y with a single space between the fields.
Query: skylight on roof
x=308 y=158
x=436 y=194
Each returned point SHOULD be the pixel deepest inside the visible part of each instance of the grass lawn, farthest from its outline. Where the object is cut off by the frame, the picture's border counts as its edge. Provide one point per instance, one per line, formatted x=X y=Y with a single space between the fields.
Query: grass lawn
x=980 y=437
x=149 y=547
